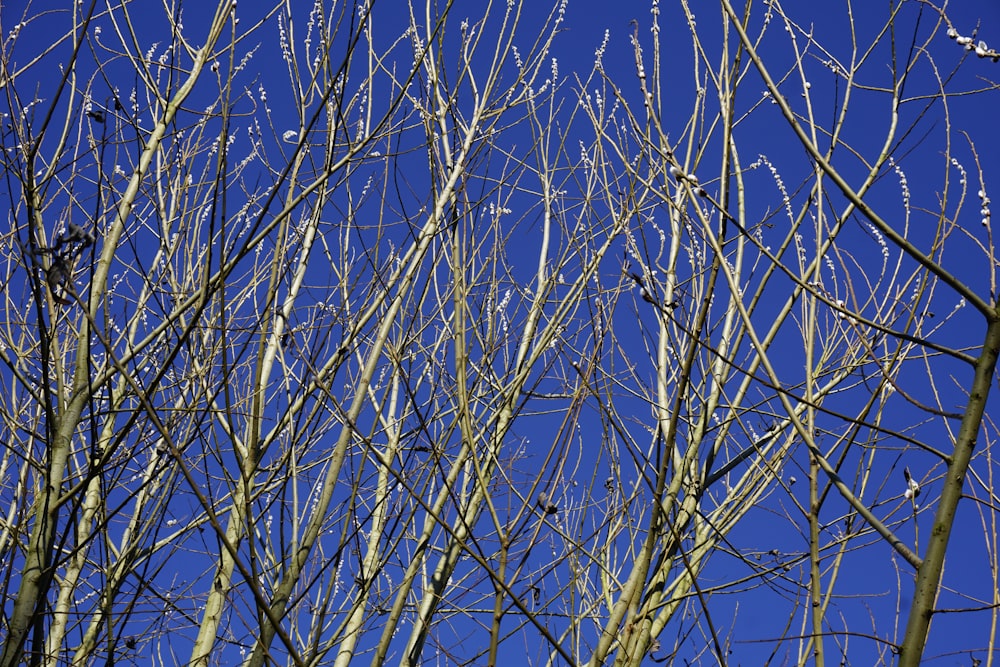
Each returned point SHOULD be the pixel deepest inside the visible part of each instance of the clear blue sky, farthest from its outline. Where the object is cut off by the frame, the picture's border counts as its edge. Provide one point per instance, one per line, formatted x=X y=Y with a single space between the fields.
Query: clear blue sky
x=873 y=583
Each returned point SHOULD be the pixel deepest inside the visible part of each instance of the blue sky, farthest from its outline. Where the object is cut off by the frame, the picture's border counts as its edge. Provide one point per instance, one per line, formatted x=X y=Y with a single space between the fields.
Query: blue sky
x=873 y=583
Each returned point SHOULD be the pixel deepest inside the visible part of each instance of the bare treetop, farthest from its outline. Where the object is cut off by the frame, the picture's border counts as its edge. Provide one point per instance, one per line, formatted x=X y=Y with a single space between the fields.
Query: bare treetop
x=469 y=333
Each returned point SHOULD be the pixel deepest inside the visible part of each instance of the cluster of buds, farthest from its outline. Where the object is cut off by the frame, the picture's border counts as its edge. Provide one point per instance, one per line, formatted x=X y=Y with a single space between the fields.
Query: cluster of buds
x=984 y=208
x=970 y=44
x=690 y=178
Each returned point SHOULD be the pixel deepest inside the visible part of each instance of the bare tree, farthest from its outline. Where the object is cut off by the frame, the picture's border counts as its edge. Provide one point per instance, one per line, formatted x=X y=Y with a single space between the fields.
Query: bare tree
x=358 y=332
